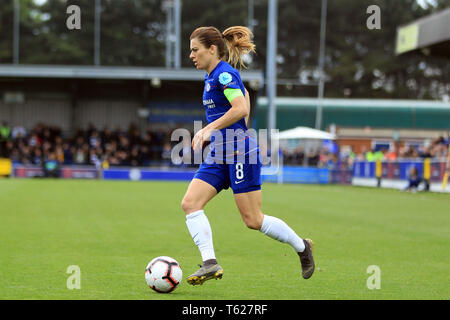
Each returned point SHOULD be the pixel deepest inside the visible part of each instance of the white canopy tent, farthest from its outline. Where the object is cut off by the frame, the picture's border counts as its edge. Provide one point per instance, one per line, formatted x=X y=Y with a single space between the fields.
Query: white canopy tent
x=304 y=133
x=308 y=138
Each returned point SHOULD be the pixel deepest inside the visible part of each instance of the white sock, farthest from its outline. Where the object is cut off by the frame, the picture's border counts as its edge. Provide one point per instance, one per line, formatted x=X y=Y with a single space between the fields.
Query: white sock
x=201 y=233
x=277 y=229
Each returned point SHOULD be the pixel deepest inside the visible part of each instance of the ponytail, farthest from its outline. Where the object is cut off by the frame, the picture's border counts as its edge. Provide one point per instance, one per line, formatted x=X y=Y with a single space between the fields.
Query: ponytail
x=239 y=42
x=234 y=40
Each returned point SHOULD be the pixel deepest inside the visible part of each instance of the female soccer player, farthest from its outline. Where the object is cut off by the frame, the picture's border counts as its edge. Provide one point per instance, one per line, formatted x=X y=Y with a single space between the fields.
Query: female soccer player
x=233 y=159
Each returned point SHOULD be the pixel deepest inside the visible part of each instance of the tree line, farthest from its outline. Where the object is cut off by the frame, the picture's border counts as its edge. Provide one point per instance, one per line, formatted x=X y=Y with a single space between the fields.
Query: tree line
x=359 y=62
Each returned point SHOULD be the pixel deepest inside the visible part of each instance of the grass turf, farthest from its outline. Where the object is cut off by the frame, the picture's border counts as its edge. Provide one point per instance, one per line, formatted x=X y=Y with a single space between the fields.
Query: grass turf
x=111 y=230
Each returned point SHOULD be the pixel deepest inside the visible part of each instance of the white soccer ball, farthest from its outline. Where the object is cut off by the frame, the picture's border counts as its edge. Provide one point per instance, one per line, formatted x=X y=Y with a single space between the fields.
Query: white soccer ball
x=163 y=274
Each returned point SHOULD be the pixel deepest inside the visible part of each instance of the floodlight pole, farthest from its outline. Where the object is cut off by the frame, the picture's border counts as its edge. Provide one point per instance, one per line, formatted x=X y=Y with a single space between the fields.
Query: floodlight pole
x=16 y=33
x=177 y=52
x=251 y=10
x=323 y=23
x=271 y=73
x=167 y=6
x=98 y=9
x=173 y=33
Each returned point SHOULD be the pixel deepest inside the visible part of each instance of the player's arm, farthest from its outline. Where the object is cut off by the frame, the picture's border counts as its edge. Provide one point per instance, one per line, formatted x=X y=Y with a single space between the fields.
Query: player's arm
x=247 y=99
x=237 y=111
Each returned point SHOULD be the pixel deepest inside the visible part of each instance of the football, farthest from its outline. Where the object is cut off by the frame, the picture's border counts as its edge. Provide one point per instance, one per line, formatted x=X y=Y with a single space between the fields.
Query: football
x=163 y=274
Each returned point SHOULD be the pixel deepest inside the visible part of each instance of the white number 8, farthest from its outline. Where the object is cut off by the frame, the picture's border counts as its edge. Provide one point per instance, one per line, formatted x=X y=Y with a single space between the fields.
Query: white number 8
x=239 y=171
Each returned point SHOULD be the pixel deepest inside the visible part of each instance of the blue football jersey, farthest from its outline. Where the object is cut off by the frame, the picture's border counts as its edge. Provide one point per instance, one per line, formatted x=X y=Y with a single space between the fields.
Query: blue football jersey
x=233 y=140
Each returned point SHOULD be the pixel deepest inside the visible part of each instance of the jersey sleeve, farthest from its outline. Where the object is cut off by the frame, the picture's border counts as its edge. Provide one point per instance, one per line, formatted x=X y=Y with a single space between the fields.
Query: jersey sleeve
x=228 y=80
x=231 y=94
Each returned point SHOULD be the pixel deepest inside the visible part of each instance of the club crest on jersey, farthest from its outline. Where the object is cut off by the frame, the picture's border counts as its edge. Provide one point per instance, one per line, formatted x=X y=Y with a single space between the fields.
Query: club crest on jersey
x=208 y=87
x=225 y=78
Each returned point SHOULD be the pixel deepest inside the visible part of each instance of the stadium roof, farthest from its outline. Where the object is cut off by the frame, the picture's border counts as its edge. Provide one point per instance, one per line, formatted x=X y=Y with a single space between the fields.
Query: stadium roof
x=106 y=72
x=431 y=34
x=356 y=103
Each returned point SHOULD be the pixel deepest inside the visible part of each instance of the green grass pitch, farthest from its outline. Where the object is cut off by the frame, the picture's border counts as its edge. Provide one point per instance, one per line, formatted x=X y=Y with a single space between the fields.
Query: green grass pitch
x=111 y=230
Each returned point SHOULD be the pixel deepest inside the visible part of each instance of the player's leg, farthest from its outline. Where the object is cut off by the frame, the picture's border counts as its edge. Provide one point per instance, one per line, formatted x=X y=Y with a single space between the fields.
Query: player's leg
x=206 y=184
x=249 y=205
x=197 y=196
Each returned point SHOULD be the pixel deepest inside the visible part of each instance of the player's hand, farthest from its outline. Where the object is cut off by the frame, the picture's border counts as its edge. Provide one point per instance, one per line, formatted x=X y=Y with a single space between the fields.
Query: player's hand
x=201 y=137
x=197 y=140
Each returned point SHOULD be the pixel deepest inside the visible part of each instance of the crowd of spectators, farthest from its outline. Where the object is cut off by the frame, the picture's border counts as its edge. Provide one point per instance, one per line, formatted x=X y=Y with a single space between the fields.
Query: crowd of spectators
x=86 y=147
x=329 y=155
x=132 y=147
x=325 y=154
x=435 y=149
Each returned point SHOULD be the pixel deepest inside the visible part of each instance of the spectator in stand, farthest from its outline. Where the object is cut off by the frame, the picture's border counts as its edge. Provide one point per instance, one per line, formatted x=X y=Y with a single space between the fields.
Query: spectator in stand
x=114 y=160
x=426 y=152
x=94 y=158
x=157 y=144
x=90 y=130
x=107 y=137
x=9 y=148
x=313 y=158
x=134 y=157
x=94 y=139
x=135 y=138
x=323 y=158
x=37 y=156
x=346 y=157
x=390 y=155
x=25 y=155
x=166 y=154
x=80 y=156
x=370 y=156
x=34 y=140
x=373 y=155
x=79 y=141
x=18 y=131
x=439 y=148
x=287 y=158
x=51 y=166
x=59 y=152
x=299 y=156
x=69 y=151
x=124 y=143
x=144 y=155
x=333 y=161
x=15 y=155
x=145 y=149
x=5 y=136
x=47 y=136
x=362 y=155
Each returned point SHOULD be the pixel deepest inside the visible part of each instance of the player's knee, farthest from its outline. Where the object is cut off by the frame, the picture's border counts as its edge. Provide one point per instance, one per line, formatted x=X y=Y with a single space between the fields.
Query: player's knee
x=252 y=222
x=185 y=205
x=188 y=205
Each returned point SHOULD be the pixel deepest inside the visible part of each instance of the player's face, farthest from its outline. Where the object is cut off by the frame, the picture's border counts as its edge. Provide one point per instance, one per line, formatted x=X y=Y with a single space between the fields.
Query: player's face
x=200 y=55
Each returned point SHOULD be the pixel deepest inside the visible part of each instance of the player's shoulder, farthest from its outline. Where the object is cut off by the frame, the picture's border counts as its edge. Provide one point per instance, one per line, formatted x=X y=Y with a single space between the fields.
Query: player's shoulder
x=226 y=67
x=227 y=73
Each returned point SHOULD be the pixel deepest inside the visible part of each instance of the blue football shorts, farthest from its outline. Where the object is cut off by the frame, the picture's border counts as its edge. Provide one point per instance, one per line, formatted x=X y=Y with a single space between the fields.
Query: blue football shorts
x=242 y=177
